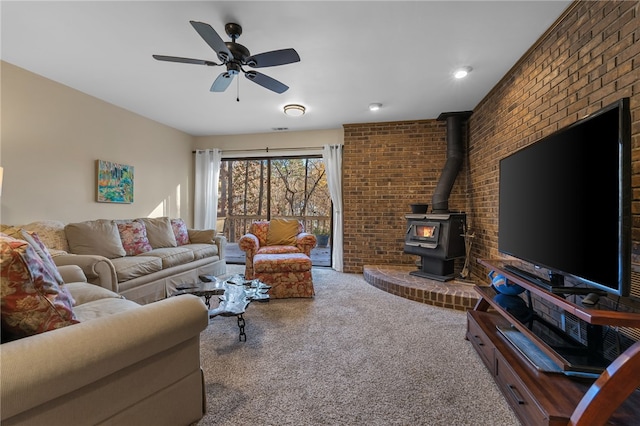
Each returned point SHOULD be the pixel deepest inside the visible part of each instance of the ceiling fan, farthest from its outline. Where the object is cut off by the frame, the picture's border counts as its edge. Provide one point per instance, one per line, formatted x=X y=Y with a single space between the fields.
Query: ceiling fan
x=234 y=56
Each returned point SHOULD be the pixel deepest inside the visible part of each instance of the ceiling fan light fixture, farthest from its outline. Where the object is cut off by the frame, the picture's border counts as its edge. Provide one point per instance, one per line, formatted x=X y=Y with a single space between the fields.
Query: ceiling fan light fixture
x=375 y=106
x=462 y=72
x=294 y=110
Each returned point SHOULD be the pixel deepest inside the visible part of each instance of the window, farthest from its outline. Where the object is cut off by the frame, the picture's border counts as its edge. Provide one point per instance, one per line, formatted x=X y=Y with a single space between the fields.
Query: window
x=263 y=188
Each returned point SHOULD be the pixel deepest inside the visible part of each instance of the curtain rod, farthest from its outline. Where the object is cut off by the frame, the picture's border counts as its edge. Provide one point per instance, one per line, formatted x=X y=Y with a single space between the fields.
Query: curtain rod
x=267 y=149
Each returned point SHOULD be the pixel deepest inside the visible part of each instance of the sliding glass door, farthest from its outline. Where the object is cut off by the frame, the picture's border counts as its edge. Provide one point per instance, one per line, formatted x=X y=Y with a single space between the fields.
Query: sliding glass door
x=264 y=188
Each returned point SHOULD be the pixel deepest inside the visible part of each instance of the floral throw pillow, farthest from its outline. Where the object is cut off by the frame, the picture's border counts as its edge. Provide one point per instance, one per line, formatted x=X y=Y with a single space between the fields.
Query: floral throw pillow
x=37 y=244
x=134 y=237
x=180 y=231
x=32 y=300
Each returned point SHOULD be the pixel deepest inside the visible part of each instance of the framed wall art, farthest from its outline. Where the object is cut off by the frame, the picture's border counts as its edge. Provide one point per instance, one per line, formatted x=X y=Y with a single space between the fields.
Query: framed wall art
x=115 y=182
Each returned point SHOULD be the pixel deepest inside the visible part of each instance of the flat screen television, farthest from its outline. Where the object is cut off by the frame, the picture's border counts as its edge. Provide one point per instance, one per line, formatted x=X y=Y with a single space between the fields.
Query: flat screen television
x=565 y=201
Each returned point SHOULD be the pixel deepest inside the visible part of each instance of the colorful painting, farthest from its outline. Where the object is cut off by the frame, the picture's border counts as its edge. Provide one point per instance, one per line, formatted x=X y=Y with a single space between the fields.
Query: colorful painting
x=115 y=182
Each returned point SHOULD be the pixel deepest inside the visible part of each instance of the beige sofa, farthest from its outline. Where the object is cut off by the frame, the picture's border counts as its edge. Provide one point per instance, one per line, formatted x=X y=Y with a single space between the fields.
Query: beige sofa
x=141 y=259
x=123 y=363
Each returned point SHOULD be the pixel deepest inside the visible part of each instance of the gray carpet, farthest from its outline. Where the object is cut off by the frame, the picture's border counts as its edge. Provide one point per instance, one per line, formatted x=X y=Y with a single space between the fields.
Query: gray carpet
x=352 y=355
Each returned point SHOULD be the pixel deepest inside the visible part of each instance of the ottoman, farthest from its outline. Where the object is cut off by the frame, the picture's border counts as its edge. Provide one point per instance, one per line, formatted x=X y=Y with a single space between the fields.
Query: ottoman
x=288 y=274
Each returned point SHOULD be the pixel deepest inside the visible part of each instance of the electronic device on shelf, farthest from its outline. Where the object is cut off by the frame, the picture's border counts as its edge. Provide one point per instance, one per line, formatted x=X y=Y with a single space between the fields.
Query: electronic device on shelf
x=565 y=203
x=551 y=285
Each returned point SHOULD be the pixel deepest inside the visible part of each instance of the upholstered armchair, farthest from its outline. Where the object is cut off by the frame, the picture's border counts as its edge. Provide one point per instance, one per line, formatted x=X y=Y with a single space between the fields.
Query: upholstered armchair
x=260 y=241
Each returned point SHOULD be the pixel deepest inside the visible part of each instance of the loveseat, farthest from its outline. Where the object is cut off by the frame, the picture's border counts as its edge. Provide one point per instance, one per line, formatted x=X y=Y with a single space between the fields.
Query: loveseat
x=141 y=259
x=81 y=354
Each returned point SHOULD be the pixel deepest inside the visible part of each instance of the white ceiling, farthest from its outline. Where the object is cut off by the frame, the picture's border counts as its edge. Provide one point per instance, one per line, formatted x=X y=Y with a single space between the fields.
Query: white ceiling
x=353 y=53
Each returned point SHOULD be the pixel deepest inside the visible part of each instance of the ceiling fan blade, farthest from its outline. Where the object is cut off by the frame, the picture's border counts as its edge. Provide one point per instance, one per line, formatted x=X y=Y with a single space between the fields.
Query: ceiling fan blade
x=273 y=58
x=185 y=60
x=222 y=82
x=213 y=40
x=266 y=81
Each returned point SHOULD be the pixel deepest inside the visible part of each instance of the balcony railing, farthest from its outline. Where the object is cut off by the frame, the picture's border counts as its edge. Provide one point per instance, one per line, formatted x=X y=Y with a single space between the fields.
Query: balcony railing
x=236 y=226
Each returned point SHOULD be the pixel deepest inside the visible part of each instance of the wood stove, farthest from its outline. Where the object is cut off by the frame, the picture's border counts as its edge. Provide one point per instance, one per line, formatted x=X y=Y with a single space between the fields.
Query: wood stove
x=438 y=239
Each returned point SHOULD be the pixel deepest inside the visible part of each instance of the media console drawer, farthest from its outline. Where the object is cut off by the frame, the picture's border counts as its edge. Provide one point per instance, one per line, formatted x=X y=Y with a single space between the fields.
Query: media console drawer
x=537 y=398
x=481 y=343
x=517 y=394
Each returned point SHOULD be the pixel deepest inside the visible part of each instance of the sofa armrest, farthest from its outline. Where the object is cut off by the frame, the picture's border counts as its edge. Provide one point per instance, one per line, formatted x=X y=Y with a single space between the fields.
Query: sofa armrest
x=249 y=243
x=72 y=274
x=46 y=366
x=98 y=269
x=306 y=242
x=221 y=241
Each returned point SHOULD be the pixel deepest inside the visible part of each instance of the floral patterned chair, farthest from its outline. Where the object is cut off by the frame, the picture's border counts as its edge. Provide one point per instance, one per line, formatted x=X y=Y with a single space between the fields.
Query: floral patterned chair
x=279 y=254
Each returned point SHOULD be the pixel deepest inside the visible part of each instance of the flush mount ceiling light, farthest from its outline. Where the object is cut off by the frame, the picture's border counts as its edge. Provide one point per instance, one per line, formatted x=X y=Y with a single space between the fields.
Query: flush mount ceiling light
x=294 y=110
x=462 y=72
x=375 y=106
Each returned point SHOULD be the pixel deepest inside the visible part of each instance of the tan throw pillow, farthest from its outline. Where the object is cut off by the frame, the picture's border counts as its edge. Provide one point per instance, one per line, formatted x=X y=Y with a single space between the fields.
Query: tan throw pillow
x=282 y=232
x=201 y=236
x=99 y=237
x=159 y=232
x=51 y=233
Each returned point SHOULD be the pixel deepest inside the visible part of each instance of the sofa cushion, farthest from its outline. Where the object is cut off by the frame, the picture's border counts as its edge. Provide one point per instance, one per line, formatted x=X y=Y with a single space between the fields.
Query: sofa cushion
x=159 y=232
x=172 y=256
x=201 y=236
x=130 y=267
x=282 y=232
x=200 y=251
x=102 y=307
x=134 y=237
x=99 y=237
x=84 y=293
x=51 y=233
x=32 y=301
x=278 y=250
x=180 y=231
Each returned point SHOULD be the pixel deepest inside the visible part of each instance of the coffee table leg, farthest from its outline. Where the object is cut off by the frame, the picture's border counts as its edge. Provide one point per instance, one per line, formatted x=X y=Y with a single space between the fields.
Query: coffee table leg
x=243 y=336
x=207 y=300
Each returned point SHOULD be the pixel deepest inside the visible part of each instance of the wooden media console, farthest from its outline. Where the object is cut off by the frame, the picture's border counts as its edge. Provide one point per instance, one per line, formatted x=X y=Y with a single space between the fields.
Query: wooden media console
x=541 y=385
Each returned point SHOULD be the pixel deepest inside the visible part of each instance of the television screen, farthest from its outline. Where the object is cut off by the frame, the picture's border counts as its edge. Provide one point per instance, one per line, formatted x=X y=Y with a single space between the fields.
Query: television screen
x=565 y=201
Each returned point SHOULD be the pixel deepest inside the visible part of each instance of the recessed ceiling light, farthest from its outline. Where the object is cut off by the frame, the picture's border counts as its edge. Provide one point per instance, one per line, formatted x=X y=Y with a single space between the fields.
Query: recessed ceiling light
x=375 y=106
x=462 y=72
x=294 y=110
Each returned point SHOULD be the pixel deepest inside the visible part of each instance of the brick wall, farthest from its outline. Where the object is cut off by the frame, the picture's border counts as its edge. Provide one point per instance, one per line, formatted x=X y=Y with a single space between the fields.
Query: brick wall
x=387 y=167
x=589 y=60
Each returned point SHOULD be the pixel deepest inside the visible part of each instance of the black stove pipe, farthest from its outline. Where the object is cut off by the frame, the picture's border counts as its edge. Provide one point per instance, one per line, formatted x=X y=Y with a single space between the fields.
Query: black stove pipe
x=455 y=157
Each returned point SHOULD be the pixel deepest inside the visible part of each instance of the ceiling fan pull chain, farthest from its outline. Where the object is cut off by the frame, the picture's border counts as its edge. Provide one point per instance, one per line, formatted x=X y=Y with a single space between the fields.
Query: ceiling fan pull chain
x=238 y=89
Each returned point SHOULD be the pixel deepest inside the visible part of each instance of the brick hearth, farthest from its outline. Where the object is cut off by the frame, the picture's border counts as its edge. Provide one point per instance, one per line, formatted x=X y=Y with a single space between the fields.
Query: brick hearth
x=395 y=279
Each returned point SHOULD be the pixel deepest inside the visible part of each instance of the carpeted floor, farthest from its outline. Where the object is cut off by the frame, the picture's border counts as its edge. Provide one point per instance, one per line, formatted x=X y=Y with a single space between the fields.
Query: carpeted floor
x=352 y=355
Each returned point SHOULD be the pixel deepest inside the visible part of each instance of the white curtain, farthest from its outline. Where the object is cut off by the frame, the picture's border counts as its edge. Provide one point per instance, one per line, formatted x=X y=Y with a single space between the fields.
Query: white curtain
x=332 y=157
x=205 y=202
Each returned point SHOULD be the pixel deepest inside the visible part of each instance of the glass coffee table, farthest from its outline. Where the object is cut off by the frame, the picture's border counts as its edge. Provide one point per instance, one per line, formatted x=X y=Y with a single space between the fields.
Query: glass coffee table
x=235 y=295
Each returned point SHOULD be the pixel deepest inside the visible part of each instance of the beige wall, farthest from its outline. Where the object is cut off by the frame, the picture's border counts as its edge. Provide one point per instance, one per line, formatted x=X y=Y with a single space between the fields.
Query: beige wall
x=51 y=138
x=52 y=135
